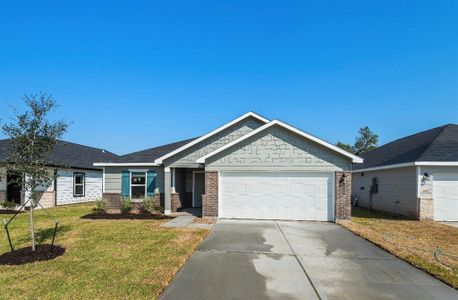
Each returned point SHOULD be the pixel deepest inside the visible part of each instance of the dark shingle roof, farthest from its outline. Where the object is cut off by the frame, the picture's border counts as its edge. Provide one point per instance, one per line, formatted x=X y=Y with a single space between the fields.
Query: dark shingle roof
x=437 y=144
x=149 y=155
x=67 y=154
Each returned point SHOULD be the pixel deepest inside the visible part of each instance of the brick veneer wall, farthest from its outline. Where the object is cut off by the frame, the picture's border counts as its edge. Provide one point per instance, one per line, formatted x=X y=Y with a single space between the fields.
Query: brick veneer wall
x=176 y=203
x=2 y=196
x=343 y=195
x=113 y=201
x=210 y=198
x=47 y=199
x=426 y=209
x=181 y=200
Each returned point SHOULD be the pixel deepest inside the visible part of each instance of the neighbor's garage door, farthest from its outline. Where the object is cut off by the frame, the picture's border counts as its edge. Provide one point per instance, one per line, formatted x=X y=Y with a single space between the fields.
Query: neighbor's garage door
x=445 y=196
x=273 y=195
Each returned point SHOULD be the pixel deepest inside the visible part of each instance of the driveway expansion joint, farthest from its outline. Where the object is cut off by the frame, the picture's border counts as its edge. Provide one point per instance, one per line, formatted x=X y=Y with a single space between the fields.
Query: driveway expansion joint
x=320 y=296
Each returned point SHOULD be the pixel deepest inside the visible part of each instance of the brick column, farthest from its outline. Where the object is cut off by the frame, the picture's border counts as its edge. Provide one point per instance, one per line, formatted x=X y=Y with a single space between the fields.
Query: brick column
x=210 y=198
x=2 y=196
x=343 y=196
x=175 y=202
x=113 y=202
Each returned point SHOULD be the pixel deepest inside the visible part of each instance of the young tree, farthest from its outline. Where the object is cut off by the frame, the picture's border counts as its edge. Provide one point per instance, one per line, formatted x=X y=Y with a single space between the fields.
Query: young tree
x=365 y=141
x=33 y=137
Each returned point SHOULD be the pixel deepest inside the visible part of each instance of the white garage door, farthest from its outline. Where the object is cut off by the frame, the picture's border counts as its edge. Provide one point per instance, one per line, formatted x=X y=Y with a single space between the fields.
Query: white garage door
x=273 y=195
x=445 y=195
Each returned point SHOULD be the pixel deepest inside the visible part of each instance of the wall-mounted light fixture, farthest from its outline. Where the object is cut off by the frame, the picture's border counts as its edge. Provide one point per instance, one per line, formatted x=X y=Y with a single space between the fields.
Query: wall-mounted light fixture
x=425 y=178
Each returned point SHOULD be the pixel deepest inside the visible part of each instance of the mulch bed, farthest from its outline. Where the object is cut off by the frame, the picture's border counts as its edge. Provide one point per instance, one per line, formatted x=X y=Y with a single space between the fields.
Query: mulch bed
x=106 y=216
x=26 y=255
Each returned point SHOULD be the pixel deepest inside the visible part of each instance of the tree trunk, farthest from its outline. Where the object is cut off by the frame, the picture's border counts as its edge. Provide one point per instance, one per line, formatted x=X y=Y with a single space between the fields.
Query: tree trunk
x=32 y=231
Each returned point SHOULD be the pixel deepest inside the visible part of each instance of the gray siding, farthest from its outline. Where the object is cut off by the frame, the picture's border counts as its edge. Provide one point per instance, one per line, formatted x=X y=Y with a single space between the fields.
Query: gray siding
x=189 y=156
x=277 y=148
x=113 y=177
x=393 y=185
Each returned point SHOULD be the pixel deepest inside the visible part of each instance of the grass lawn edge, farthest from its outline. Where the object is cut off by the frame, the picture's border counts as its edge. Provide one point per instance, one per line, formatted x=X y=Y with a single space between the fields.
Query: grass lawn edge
x=342 y=224
x=172 y=278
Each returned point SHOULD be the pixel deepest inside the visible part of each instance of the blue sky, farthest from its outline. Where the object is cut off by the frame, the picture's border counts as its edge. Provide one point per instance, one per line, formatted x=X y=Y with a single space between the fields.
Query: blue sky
x=131 y=75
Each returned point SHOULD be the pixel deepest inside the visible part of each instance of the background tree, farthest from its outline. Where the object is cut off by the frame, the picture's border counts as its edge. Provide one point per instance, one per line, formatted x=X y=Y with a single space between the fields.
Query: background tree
x=346 y=147
x=365 y=141
x=33 y=137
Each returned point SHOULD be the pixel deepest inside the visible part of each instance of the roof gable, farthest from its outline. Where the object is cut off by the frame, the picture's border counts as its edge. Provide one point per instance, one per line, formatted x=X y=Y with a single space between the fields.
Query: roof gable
x=287 y=127
x=210 y=134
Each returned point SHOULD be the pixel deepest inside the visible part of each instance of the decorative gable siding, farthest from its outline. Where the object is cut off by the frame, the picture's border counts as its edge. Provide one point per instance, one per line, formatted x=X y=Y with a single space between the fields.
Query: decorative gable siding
x=277 y=148
x=64 y=187
x=189 y=156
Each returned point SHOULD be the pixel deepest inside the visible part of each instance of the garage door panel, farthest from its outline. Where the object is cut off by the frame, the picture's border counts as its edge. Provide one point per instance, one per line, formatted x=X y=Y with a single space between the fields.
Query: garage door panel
x=269 y=195
x=445 y=194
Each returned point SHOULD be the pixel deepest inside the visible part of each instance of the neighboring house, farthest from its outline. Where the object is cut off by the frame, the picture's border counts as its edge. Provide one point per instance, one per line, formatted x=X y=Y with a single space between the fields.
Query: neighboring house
x=77 y=179
x=248 y=168
x=415 y=176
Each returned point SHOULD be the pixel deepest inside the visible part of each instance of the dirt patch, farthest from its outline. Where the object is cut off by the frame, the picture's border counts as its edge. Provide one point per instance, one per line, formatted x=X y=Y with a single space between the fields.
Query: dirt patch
x=105 y=216
x=26 y=255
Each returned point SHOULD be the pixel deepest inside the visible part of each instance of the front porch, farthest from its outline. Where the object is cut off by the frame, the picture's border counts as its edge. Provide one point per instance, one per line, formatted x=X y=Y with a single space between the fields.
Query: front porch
x=183 y=189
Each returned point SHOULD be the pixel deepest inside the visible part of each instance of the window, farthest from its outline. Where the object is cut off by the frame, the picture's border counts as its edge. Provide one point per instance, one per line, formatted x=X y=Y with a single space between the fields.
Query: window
x=79 y=184
x=138 y=185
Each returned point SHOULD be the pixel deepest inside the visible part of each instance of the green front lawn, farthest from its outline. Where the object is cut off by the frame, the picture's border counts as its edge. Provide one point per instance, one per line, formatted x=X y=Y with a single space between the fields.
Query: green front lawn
x=103 y=258
x=427 y=245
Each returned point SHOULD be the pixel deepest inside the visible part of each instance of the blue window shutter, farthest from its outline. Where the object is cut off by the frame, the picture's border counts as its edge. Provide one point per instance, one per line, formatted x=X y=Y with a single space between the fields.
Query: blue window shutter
x=151 y=183
x=125 y=191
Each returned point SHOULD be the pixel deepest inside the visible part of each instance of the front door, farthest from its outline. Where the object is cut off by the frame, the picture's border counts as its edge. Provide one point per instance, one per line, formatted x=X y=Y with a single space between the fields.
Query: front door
x=198 y=189
x=14 y=188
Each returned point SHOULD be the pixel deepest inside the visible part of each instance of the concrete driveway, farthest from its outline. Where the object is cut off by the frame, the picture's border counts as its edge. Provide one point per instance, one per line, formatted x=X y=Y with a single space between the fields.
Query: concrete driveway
x=242 y=259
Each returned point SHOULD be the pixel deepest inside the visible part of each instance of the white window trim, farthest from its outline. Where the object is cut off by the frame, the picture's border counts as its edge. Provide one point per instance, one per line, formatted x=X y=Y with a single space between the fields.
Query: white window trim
x=131 y=185
x=79 y=184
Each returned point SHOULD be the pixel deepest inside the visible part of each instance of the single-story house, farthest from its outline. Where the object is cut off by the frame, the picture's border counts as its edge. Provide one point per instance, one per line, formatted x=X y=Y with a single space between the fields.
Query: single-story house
x=77 y=179
x=415 y=176
x=250 y=167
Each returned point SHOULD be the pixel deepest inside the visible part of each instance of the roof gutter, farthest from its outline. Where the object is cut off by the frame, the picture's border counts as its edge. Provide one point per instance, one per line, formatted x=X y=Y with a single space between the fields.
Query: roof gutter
x=125 y=164
x=411 y=164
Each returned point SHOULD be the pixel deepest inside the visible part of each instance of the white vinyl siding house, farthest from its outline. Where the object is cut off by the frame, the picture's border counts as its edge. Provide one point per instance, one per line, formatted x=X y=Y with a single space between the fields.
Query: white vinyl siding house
x=76 y=180
x=397 y=190
x=65 y=187
x=416 y=176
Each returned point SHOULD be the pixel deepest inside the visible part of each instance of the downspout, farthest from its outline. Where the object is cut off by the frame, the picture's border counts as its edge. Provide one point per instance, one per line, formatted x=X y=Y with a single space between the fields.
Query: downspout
x=418 y=175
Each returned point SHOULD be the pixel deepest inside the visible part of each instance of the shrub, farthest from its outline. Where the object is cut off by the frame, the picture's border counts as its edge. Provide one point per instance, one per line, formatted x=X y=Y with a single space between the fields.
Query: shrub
x=100 y=206
x=9 y=205
x=126 y=205
x=159 y=208
x=147 y=205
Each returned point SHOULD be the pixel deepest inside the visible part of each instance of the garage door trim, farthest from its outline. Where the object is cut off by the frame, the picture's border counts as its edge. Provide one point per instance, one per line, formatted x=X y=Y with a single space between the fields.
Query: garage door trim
x=331 y=193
